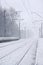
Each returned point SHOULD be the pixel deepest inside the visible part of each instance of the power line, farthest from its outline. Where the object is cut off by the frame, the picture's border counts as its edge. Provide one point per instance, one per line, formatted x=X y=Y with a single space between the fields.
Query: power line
x=34 y=12
x=7 y=3
x=25 y=7
x=37 y=14
x=29 y=6
x=30 y=10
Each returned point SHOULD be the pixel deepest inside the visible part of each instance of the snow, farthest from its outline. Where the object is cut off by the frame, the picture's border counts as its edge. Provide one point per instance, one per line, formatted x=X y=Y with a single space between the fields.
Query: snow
x=21 y=52
x=39 y=59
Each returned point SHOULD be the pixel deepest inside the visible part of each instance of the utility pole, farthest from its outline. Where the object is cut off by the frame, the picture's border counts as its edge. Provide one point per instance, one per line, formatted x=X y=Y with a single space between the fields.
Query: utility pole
x=19 y=27
x=4 y=23
x=41 y=29
x=19 y=31
x=19 y=24
x=19 y=19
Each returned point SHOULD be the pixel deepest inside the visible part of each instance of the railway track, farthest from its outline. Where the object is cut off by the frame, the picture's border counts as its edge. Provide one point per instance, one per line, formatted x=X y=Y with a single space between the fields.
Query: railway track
x=20 y=47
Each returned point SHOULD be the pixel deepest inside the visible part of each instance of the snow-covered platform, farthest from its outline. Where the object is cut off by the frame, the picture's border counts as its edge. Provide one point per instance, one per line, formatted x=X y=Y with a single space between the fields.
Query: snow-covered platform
x=39 y=59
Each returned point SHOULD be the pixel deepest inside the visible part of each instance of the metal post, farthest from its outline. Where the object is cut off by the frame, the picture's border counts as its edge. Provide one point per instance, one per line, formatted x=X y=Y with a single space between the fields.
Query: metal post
x=41 y=30
x=4 y=23
x=19 y=31
x=19 y=28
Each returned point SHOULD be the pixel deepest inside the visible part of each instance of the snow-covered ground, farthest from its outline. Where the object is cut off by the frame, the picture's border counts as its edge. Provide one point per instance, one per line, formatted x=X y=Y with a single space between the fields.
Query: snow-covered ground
x=21 y=52
x=39 y=58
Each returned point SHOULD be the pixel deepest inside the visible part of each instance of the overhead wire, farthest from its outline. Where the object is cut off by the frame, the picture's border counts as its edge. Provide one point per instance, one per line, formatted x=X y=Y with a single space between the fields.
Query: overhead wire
x=32 y=12
x=37 y=14
x=7 y=4
x=25 y=7
x=28 y=2
x=27 y=10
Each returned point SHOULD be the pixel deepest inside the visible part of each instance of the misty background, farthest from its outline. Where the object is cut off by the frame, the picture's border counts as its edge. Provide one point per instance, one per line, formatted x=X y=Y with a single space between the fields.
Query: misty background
x=32 y=13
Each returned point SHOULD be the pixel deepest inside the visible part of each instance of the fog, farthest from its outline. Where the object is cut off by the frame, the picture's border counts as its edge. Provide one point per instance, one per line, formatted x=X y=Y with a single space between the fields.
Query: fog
x=31 y=10
x=26 y=7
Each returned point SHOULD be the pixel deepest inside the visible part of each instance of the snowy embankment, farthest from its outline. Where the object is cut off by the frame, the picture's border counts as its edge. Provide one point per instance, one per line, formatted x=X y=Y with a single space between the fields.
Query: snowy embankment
x=39 y=59
x=7 y=39
x=21 y=52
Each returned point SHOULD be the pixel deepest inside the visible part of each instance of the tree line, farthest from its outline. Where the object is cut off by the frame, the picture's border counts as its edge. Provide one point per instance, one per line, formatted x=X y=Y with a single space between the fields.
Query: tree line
x=8 y=23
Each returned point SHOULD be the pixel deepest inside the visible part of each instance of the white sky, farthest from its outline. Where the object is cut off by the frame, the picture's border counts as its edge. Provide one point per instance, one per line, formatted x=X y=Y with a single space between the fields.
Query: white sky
x=26 y=6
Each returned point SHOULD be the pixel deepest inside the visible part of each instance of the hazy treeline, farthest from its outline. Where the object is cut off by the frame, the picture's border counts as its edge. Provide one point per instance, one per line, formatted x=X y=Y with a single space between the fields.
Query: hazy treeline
x=8 y=23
